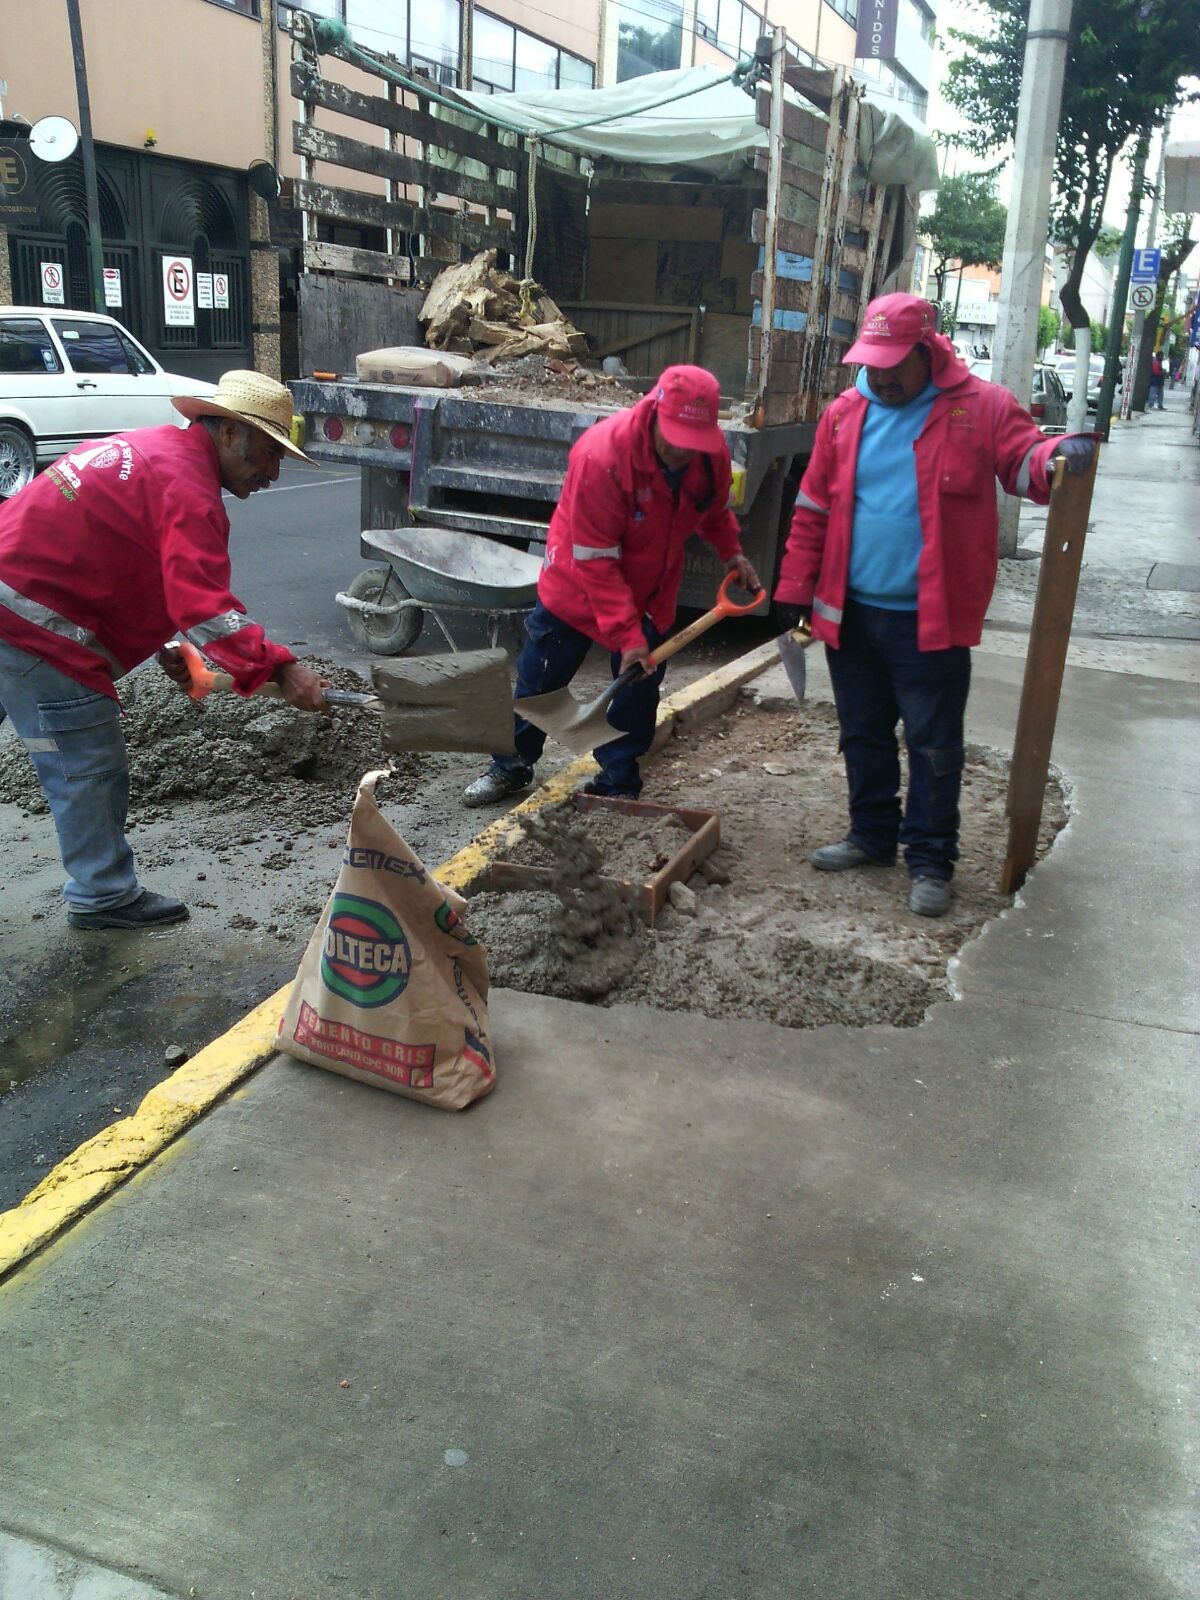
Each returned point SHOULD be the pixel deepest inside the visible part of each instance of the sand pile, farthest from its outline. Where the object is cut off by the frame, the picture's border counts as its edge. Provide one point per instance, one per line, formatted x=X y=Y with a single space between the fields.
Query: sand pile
x=249 y=754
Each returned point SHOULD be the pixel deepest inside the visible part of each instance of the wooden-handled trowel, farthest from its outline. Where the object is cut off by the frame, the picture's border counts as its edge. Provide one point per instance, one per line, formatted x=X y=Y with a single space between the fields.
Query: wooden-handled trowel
x=792 y=646
x=461 y=701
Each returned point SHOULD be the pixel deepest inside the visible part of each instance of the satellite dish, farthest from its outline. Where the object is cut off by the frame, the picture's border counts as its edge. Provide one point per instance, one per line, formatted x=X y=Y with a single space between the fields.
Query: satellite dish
x=264 y=179
x=53 y=138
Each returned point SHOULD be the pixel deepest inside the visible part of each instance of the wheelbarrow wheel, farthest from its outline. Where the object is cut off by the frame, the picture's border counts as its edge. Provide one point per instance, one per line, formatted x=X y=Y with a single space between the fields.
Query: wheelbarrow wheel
x=384 y=635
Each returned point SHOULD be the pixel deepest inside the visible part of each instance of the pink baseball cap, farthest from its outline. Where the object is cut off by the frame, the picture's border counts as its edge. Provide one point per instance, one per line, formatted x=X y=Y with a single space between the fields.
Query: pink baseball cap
x=894 y=325
x=687 y=400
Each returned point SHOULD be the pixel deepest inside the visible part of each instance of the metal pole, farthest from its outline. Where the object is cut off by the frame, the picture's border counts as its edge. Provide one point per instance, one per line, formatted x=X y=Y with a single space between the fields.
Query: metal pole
x=1029 y=216
x=1116 y=321
x=91 y=191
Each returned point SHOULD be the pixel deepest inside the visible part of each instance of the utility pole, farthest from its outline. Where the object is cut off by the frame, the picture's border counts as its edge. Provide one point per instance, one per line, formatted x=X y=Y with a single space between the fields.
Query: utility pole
x=1116 y=322
x=90 y=187
x=1029 y=216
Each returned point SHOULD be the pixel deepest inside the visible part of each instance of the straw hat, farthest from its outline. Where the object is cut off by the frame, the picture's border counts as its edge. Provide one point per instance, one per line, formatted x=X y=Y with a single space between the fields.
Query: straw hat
x=248 y=397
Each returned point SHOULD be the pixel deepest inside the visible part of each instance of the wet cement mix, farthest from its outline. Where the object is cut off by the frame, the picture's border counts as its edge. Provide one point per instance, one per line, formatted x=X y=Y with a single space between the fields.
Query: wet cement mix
x=257 y=756
x=762 y=934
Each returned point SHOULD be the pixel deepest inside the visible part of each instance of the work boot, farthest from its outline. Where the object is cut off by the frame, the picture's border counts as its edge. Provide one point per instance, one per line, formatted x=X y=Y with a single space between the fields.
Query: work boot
x=609 y=794
x=497 y=783
x=929 y=897
x=843 y=855
x=149 y=910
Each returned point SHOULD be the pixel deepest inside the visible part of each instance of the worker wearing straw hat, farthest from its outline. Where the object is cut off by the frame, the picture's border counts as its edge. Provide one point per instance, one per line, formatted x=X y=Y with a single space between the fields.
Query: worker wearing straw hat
x=105 y=557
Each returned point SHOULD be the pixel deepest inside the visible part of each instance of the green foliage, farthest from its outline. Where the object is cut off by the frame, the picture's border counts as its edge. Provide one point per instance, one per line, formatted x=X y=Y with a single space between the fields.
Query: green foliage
x=1124 y=65
x=1048 y=326
x=1108 y=242
x=967 y=225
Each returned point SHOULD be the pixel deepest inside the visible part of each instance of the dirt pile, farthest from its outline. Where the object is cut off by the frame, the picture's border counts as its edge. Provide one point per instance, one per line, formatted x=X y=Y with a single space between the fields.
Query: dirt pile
x=767 y=937
x=628 y=847
x=255 y=755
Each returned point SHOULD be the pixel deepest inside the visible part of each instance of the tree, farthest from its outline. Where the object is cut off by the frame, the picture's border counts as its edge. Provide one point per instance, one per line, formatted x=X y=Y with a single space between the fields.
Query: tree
x=1049 y=323
x=966 y=226
x=1124 y=65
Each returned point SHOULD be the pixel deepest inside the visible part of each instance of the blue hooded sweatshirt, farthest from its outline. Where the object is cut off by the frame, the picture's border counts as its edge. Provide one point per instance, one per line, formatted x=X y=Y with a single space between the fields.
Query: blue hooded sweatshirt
x=885 y=545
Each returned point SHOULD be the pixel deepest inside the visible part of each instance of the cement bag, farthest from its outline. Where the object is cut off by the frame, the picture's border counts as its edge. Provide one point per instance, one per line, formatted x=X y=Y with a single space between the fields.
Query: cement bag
x=412 y=364
x=392 y=989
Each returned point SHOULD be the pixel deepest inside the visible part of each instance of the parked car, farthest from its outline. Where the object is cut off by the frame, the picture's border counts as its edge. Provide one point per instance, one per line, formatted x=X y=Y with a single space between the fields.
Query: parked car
x=1047 y=397
x=70 y=376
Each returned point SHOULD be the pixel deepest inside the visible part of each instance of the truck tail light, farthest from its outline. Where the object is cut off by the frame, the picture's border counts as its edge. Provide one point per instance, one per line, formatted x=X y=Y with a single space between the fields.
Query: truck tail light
x=1037 y=409
x=332 y=429
x=399 y=437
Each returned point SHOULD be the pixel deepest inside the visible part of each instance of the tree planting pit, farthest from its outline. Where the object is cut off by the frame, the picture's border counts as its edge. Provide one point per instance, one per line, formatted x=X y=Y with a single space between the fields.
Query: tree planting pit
x=762 y=934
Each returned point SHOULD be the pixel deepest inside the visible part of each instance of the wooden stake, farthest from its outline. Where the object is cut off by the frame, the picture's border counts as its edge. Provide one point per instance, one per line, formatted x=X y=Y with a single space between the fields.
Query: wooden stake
x=1049 y=635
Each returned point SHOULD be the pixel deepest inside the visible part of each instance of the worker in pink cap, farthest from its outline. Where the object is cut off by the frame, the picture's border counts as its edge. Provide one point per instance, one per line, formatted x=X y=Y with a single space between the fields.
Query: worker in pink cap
x=638 y=485
x=892 y=557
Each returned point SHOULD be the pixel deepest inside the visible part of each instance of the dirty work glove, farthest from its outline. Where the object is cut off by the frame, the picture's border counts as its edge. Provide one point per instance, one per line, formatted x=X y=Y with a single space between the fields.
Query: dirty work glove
x=1077 y=452
x=794 y=617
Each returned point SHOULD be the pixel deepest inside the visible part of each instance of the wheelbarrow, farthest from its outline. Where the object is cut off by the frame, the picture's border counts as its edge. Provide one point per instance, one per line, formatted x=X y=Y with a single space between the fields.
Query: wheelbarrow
x=442 y=572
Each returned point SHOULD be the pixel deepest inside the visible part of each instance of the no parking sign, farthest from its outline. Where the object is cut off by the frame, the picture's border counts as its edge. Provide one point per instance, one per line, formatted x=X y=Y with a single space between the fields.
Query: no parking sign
x=179 y=284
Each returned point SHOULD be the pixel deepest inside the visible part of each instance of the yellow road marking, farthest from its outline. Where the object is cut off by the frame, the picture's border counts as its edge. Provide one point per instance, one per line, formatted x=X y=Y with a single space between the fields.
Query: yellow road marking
x=105 y=1161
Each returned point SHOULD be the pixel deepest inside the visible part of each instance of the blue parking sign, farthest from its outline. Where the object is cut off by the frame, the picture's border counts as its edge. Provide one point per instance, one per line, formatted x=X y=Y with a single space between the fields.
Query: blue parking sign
x=1145 y=266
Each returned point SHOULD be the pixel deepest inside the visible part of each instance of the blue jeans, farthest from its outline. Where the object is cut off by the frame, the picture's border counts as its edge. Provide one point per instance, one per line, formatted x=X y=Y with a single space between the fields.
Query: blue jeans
x=880 y=677
x=1155 y=394
x=552 y=654
x=73 y=736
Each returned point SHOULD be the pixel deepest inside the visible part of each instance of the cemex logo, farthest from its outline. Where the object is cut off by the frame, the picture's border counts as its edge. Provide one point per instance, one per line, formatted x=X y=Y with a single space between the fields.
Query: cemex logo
x=366 y=959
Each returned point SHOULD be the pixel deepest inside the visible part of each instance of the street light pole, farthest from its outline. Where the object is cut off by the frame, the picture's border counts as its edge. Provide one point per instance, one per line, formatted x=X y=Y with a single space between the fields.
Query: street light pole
x=1015 y=345
x=88 y=149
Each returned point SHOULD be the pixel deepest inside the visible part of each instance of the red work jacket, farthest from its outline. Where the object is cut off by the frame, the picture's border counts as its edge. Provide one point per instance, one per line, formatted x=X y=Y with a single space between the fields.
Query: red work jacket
x=117 y=547
x=975 y=434
x=614 y=553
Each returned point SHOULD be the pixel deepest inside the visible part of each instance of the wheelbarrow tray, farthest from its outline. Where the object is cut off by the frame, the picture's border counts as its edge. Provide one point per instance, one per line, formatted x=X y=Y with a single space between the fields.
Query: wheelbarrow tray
x=442 y=566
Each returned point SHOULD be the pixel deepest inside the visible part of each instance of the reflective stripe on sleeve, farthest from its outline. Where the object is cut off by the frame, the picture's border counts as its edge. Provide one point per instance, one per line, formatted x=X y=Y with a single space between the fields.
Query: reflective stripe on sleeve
x=830 y=613
x=219 y=627
x=589 y=552
x=1023 y=477
x=811 y=505
x=42 y=617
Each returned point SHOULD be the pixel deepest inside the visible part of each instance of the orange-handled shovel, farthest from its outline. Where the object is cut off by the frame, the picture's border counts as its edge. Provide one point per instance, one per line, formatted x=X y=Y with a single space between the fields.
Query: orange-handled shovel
x=585 y=725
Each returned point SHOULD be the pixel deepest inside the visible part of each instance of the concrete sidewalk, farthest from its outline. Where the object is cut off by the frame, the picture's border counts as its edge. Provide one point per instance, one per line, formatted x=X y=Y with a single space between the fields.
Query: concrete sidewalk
x=691 y=1307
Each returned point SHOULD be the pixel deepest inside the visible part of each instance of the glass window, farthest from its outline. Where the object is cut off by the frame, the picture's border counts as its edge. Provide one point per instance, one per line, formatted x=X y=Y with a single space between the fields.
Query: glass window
x=139 y=361
x=25 y=346
x=574 y=72
x=752 y=27
x=93 y=346
x=321 y=8
x=434 y=34
x=494 y=52
x=729 y=27
x=537 y=63
x=649 y=38
x=378 y=24
x=706 y=19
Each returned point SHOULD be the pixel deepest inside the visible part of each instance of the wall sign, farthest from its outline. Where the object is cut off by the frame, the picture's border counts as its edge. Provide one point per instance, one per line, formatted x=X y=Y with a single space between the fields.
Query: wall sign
x=112 y=286
x=221 y=291
x=179 y=306
x=52 y=284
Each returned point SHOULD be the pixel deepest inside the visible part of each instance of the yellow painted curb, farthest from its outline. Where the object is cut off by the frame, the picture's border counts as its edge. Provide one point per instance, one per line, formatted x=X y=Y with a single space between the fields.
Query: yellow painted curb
x=113 y=1155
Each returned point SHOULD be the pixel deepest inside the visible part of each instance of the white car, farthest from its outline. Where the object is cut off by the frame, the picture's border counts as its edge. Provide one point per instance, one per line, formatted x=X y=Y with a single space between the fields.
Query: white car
x=70 y=376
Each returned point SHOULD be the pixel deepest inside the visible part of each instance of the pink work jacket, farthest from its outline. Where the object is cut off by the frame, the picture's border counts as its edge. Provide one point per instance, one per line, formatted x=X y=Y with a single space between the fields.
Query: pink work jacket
x=975 y=434
x=614 y=553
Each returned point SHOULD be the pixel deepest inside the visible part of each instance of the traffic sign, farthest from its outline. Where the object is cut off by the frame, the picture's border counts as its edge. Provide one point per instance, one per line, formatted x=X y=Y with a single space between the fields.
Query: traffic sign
x=178 y=286
x=1145 y=266
x=1141 y=297
x=52 y=283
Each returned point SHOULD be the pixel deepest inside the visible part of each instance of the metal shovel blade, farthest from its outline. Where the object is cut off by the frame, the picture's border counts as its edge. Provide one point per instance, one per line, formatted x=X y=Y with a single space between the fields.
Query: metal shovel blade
x=461 y=701
x=580 y=725
x=792 y=647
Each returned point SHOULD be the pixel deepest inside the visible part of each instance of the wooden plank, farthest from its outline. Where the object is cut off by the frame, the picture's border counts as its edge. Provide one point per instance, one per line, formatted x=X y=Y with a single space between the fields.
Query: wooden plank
x=611 y=221
x=366 y=263
x=786 y=346
x=793 y=237
x=814 y=83
x=631 y=340
x=806 y=127
x=352 y=205
x=339 y=317
x=794 y=177
x=338 y=151
x=397 y=118
x=1049 y=636
x=789 y=294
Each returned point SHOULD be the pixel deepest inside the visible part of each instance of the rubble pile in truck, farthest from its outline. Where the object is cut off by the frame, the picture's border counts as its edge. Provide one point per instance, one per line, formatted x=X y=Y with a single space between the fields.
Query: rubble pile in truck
x=477 y=307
